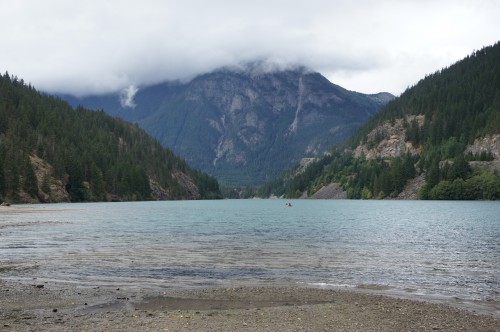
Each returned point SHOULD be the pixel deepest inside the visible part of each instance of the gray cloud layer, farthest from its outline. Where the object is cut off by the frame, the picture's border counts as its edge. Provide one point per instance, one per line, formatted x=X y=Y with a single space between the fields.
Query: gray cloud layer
x=90 y=46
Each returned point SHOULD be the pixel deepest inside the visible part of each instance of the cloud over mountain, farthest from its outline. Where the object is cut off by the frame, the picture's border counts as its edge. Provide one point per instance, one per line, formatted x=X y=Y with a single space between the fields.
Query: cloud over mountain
x=127 y=97
x=97 y=47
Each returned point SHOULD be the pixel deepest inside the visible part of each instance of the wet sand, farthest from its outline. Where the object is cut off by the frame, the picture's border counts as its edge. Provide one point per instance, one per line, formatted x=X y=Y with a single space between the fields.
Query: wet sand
x=56 y=307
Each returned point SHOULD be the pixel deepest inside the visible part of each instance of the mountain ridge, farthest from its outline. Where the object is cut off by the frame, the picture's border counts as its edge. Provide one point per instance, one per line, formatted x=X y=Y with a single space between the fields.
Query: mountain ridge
x=245 y=126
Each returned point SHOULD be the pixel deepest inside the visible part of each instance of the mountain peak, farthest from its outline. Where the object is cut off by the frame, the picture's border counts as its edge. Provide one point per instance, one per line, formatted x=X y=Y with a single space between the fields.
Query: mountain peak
x=247 y=124
x=258 y=68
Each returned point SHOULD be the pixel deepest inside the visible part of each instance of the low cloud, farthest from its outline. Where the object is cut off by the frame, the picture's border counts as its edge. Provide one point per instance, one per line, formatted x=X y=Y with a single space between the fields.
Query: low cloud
x=127 y=97
x=94 y=47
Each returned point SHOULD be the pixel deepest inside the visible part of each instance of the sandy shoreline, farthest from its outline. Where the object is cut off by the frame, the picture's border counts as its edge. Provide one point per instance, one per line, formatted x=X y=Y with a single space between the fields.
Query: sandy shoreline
x=55 y=307
x=29 y=208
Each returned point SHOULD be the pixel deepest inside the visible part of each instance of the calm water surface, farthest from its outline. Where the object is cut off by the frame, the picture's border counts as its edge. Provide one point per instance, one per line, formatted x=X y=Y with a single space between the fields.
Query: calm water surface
x=448 y=249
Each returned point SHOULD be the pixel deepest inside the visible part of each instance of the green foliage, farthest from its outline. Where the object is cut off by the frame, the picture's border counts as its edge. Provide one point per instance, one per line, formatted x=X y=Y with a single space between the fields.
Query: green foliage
x=359 y=177
x=379 y=178
x=483 y=156
x=92 y=153
x=483 y=184
x=455 y=179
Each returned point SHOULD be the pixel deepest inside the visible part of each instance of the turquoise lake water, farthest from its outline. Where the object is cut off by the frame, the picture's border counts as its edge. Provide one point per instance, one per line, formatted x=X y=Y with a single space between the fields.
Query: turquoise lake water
x=444 y=249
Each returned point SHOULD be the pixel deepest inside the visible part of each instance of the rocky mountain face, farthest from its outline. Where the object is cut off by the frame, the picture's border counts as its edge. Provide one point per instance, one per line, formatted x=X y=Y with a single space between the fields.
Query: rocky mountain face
x=245 y=126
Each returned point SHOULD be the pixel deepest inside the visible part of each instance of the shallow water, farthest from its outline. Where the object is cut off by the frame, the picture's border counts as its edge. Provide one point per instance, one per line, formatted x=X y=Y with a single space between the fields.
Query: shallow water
x=443 y=249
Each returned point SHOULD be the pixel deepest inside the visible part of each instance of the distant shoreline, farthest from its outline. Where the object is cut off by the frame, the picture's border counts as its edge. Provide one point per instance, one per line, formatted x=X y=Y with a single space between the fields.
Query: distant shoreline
x=29 y=207
x=44 y=306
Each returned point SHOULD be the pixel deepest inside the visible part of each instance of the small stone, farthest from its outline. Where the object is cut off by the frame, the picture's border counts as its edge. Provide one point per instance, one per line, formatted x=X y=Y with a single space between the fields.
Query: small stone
x=54 y=310
x=39 y=286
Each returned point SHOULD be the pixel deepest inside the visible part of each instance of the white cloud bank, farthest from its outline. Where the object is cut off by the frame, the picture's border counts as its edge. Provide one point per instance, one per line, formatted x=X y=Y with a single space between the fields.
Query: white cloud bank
x=84 y=47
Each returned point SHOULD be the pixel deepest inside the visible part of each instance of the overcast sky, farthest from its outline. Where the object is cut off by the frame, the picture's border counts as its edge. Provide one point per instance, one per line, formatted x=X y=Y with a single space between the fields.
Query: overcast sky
x=88 y=46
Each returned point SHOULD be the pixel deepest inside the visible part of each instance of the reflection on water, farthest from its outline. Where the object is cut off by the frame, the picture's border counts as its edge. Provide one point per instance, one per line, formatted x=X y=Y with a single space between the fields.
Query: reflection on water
x=441 y=248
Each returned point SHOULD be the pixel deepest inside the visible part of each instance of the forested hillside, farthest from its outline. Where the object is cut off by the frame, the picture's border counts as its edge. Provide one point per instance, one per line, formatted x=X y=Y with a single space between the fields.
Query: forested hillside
x=51 y=152
x=441 y=135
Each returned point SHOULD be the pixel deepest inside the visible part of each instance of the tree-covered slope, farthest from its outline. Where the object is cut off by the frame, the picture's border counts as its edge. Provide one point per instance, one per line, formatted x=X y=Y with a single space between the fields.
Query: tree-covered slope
x=52 y=152
x=443 y=133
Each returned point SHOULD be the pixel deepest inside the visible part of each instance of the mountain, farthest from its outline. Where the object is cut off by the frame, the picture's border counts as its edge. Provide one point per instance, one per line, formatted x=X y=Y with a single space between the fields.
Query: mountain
x=50 y=152
x=244 y=126
x=439 y=140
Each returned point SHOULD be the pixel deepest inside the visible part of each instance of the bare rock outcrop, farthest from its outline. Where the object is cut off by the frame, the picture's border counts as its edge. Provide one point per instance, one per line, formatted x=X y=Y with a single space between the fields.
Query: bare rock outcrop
x=489 y=143
x=412 y=188
x=391 y=140
x=50 y=189
x=303 y=164
x=187 y=183
x=157 y=191
x=331 y=191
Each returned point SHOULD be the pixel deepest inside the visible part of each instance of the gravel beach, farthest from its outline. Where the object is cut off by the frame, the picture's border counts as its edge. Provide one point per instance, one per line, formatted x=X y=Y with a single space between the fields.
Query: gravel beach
x=56 y=307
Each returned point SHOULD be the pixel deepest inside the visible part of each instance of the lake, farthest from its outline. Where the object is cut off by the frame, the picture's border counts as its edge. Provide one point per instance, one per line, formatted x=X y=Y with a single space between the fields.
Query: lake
x=422 y=248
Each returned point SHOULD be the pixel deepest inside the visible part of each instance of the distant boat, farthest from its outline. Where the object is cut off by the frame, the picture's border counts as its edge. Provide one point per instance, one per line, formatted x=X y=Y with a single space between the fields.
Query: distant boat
x=288 y=204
